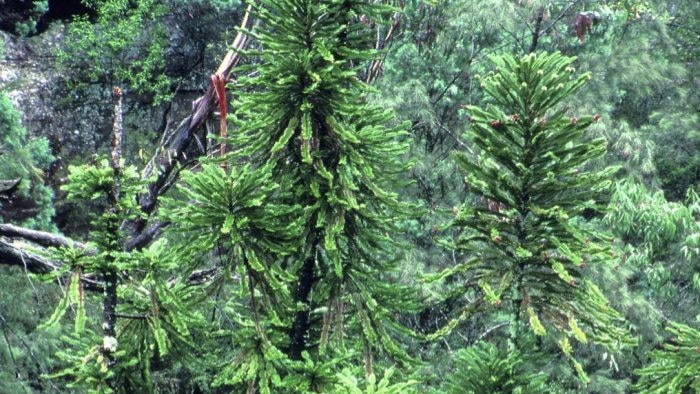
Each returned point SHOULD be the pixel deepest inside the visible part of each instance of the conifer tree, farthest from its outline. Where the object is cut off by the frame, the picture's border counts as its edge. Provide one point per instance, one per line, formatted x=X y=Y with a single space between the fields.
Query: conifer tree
x=675 y=367
x=483 y=368
x=525 y=245
x=305 y=116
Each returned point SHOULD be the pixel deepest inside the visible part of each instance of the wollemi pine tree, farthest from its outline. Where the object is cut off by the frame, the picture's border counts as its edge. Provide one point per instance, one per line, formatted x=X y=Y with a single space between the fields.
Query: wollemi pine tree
x=525 y=244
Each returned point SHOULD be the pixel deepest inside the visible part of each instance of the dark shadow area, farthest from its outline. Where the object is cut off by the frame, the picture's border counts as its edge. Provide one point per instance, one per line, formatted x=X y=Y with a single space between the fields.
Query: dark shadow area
x=63 y=10
x=14 y=12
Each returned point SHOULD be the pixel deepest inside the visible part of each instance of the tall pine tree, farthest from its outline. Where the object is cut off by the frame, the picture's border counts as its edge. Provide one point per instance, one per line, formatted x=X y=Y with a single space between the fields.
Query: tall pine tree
x=304 y=117
x=524 y=242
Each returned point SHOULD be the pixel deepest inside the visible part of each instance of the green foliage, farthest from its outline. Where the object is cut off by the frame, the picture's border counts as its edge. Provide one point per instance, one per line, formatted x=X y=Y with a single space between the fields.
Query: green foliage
x=122 y=47
x=348 y=384
x=428 y=75
x=642 y=217
x=235 y=209
x=676 y=367
x=73 y=299
x=93 y=182
x=644 y=91
x=25 y=157
x=524 y=240
x=28 y=26
x=236 y=214
x=87 y=367
x=158 y=312
x=661 y=244
x=26 y=353
x=483 y=368
x=677 y=140
x=305 y=116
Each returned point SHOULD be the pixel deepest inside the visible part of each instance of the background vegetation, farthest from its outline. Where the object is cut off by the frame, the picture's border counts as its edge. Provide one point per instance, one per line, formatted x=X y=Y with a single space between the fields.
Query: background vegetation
x=502 y=198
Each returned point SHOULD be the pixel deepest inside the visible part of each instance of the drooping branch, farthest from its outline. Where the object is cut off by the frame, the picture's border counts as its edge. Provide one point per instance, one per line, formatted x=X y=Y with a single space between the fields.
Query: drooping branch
x=16 y=255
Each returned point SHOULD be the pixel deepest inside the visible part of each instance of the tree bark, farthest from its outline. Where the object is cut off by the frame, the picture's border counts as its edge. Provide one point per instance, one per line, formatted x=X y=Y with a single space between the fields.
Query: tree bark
x=300 y=327
x=536 y=31
x=171 y=152
x=13 y=255
x=110 y=300
x=39 y=237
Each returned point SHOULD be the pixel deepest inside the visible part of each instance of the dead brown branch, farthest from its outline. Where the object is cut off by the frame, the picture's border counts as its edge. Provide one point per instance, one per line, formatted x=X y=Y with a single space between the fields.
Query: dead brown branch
x=172 y=150
x=375 y=68
x=11 y=254
x=41 y=238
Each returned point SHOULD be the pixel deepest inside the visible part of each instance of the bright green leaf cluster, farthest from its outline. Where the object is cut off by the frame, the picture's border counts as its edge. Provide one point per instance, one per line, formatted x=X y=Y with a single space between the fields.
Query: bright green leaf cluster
x=676 y=367
x=483 y=368
x=531 y=189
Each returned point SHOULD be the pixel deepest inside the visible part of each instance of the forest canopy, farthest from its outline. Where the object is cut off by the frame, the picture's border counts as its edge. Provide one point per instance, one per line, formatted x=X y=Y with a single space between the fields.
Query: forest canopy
x=350 y=196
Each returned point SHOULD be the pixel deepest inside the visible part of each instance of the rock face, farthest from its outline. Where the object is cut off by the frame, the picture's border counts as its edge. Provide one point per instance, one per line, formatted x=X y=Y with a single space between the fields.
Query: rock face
x=77 y=127
x=26 y=77
x=79 y=124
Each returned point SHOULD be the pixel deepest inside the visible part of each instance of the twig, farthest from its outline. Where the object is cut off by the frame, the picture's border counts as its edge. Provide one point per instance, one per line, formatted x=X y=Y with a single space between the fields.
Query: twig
x=376 y=65
x=449 y=85
x=12 y=255
x=26 y=275
x=9 y=348
x=451 y=134
x=492 y=329
x=558 y=18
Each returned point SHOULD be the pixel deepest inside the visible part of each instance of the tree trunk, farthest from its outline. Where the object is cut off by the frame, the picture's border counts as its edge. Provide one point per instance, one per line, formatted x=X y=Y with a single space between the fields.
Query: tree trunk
x=300 y=328
x=536 y=31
